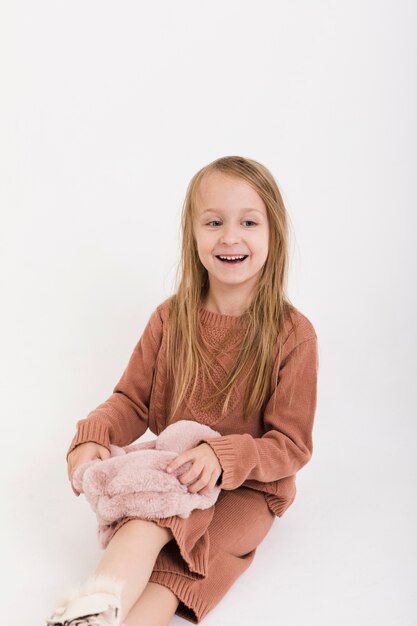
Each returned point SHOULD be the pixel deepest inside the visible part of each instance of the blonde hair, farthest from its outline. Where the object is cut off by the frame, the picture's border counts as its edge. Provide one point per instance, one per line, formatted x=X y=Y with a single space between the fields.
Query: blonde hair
x=265 y=315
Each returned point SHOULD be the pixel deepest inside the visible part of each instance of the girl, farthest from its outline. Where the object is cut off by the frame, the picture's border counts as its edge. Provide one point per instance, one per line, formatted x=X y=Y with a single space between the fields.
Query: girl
x=228 y=350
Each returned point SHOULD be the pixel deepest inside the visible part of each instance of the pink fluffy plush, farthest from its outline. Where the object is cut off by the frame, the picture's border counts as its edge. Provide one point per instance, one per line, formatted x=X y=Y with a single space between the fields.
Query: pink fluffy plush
x=133 y=480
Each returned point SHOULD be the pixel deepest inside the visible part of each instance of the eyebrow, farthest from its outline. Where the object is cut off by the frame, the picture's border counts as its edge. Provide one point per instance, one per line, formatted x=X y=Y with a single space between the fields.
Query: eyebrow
x=220 y=211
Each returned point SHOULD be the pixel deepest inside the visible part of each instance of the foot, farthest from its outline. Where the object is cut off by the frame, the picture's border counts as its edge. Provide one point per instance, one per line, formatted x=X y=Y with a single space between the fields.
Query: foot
x=97 y=603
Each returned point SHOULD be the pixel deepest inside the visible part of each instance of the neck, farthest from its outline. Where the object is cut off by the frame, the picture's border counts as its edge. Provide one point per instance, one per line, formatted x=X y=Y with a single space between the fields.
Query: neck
x=225 y=306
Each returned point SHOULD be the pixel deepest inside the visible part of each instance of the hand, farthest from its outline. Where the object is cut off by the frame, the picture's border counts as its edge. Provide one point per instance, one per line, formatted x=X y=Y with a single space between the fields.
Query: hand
x=82 y=453
x=205 y=468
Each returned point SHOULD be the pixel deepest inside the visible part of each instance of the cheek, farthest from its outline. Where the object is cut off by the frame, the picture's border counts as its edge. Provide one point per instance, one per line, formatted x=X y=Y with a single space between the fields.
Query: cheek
x=203 y=250
x=201 y=244
x=265 y=243
x=207 y=244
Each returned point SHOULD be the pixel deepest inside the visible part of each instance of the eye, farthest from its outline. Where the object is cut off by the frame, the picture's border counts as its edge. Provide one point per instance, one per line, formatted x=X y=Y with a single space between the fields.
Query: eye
x=218 y=222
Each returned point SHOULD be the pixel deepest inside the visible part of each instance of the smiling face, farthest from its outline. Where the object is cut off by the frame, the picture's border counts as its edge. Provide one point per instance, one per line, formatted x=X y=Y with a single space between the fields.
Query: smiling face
x=231 y=219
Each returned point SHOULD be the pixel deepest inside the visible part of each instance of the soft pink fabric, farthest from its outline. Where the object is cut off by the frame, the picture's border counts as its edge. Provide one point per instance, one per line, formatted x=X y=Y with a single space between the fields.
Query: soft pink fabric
x=263 y=452
x=133 y=481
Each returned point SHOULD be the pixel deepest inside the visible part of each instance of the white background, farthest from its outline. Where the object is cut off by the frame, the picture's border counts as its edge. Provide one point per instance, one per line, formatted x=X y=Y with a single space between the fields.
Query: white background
x=107 y=110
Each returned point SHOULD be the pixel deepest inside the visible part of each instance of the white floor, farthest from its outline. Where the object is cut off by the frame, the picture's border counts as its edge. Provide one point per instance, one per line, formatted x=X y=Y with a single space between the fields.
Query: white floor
x=108 y=110
x=344 y=553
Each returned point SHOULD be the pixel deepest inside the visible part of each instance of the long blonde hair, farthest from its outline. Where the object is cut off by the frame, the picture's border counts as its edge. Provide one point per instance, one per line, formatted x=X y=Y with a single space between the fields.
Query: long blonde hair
x=265 y=316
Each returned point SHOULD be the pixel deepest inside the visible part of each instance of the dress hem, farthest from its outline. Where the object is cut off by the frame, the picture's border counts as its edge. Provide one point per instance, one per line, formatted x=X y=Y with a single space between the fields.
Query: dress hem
x=192 y=564
x=191 y=607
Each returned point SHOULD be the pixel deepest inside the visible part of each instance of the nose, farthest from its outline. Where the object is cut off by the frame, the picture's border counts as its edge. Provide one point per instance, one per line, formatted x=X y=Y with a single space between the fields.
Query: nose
x=229 y=235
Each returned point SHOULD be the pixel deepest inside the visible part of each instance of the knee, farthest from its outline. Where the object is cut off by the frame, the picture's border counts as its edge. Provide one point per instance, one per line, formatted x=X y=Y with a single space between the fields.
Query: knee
x=141 y=525
x=166 y=532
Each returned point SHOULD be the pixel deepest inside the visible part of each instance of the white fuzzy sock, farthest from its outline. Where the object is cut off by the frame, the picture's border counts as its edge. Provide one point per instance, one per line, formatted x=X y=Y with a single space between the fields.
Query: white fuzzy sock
x=100 y=583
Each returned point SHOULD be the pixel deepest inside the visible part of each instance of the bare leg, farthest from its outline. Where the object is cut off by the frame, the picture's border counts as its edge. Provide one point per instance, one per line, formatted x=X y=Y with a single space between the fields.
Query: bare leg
x=155 y=607
x=131 y=555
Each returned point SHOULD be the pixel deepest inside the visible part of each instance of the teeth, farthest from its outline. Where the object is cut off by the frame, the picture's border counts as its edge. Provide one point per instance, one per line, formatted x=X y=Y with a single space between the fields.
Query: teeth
x=232 y=257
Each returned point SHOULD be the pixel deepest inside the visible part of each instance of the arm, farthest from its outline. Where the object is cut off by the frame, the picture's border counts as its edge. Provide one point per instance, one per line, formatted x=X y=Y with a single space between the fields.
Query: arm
x=287 y=445
x=123 y=417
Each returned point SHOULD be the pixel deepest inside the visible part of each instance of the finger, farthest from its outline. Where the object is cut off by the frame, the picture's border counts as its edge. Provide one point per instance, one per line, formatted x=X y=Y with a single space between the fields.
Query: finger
x=71 y=470
x=192 y=473
x=104 y=454
x=200 y=483
x=77 y=493
x=210 y=485
x=177 y=462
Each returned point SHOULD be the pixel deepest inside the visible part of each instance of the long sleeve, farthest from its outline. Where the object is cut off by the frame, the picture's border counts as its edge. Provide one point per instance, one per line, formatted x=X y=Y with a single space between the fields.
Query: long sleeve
x=123 y=417
x=287 y=444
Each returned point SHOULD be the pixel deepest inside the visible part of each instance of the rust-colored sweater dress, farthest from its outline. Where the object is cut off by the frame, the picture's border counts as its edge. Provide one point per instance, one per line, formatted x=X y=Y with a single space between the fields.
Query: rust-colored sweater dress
x=259 y=459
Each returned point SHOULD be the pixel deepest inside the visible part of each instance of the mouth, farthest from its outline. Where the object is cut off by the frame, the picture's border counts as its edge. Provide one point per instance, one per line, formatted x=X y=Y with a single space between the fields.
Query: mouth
x=232 y=262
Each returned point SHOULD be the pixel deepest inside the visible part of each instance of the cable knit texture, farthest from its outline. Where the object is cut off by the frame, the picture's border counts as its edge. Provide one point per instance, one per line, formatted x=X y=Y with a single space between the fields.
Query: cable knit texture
x=264 y=453
x=259 y=458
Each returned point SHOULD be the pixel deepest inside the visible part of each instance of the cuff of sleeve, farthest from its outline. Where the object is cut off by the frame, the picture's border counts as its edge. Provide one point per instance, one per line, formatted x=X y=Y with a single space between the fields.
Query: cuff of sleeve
x=90 y=430
x=223 y=449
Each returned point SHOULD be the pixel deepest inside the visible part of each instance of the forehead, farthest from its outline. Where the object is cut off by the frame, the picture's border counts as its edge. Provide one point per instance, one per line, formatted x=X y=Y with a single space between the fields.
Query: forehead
x=219 y=192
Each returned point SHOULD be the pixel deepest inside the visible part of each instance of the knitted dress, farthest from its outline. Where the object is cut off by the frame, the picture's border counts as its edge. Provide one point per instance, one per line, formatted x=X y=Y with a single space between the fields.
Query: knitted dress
x=259 y=458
